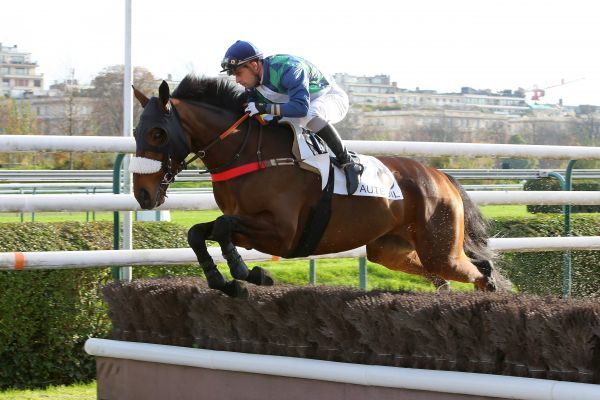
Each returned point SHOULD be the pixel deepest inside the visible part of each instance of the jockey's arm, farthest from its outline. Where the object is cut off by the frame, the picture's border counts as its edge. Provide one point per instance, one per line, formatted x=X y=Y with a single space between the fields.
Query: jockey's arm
x=295 y=80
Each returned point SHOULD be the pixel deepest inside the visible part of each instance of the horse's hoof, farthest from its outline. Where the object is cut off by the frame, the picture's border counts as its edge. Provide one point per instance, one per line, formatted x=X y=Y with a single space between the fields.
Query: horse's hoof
x=444 y=288
x=486 y=284
x=490 y=286
x=260 y=276
x=235 y=289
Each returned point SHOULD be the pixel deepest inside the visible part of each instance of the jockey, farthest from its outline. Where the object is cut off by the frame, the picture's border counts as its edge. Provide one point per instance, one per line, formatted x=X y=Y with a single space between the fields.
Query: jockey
x=289 y=86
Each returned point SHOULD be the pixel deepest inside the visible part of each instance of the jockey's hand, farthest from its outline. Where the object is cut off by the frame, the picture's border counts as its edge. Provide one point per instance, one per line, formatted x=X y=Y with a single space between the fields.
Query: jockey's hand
x=251 y=108
x=255 y=108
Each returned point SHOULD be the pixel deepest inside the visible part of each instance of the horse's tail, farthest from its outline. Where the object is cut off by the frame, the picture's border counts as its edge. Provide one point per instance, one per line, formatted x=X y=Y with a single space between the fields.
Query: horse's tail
x=476 y=227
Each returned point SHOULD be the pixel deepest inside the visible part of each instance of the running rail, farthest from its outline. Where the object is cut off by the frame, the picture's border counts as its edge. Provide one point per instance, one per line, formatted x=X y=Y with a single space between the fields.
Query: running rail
x=36 y=260
x=358 y=374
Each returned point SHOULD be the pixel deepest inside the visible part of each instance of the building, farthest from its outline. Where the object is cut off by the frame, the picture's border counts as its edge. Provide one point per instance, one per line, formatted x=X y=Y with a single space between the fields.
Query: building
x=63 y=115
x=379 y=91
x=18 y=77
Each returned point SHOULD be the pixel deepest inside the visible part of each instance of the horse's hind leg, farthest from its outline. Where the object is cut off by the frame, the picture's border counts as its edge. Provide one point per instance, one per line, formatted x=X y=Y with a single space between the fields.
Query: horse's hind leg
x=197 y=236
x=442 y=258
x=464 y=270
x=439 y=240
x=395 y=253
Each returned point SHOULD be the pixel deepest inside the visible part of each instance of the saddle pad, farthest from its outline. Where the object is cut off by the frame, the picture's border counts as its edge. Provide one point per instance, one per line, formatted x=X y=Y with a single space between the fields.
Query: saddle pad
x=376 y=181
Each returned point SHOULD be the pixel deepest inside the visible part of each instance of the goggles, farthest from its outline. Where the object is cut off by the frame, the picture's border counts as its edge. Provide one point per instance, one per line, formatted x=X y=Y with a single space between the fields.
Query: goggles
x=229 y=65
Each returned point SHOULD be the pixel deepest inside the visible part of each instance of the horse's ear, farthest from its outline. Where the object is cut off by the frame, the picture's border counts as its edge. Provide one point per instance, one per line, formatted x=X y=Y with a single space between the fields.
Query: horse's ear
x=164 y=94
x=140 y=96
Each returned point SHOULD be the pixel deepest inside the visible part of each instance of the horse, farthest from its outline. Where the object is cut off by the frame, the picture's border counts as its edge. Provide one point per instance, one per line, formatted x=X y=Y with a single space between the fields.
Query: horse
x=435 y=231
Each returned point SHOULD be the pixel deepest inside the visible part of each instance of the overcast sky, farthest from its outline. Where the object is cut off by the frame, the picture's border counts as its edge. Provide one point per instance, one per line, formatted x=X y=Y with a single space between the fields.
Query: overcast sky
x=439 y=45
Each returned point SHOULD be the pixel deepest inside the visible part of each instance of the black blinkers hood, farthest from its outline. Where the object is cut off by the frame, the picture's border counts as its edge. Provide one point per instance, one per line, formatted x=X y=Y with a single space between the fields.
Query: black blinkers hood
x=154 y=117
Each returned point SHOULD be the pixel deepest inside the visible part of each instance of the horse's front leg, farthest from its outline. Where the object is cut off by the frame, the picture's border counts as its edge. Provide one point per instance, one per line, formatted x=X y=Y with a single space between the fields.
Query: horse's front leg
x=222 y=231
x=197 y=236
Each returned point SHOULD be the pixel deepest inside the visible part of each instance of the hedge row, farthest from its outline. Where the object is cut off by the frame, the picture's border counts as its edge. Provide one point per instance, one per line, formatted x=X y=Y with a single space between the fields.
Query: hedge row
x=552 y=184
x=46 y=316
x=542 y=272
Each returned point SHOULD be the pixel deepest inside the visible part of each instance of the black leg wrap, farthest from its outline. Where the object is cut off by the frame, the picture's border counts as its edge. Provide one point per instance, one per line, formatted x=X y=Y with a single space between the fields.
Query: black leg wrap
x=236 y=289
x=237 y=266
x=197 y=236
x=260 y=276
x=215 y=279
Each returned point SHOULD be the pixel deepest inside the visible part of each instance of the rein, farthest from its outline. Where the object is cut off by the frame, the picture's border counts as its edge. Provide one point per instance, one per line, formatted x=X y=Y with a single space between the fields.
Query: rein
x=202 y=153
x=221 y=173
x=170 y=175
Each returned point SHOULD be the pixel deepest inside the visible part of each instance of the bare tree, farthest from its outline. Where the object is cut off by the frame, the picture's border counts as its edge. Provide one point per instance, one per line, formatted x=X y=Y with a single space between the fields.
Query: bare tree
x=108 y=89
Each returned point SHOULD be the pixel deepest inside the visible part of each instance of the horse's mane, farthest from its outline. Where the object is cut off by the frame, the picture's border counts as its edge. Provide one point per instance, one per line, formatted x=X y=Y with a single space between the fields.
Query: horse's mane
x=219 y=92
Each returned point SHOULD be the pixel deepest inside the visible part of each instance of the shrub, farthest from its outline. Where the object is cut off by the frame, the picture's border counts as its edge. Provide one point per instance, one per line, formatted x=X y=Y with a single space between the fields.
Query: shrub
x=552 y=184
x=46 y=315
x=542 y=272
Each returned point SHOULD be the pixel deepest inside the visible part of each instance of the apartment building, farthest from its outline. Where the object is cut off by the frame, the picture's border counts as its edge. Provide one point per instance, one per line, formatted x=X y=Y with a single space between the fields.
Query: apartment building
x=18 y=76
x=380 y=91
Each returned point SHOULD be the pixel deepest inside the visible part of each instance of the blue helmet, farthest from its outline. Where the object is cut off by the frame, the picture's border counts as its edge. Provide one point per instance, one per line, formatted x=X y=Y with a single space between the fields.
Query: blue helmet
x=238 y=54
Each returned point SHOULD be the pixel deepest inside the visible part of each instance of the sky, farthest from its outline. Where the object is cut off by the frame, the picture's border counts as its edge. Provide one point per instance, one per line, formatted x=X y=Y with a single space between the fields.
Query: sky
x=437 y=45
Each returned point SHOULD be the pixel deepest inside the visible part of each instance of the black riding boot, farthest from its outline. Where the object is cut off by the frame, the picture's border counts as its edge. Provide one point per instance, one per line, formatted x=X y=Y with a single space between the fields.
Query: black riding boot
x=352 y=169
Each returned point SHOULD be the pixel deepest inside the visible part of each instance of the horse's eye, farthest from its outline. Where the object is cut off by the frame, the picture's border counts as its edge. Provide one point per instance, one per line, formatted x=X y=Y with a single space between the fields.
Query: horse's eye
x=157 y=137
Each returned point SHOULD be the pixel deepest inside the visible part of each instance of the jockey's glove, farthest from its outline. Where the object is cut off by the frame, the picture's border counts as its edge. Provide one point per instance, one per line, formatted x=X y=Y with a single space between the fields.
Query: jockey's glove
x=255 y=108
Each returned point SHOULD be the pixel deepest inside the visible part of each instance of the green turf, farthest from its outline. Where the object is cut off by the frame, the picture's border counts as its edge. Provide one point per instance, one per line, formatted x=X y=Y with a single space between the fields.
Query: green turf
x=495 y=211
x=82 y=391
x=344 y=272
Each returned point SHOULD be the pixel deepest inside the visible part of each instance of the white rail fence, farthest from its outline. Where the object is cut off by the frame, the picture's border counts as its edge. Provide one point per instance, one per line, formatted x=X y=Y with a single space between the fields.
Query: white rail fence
x=116 y=258
x=116 y=144
x=459 y=383
x=206 y=201
x=113 y=202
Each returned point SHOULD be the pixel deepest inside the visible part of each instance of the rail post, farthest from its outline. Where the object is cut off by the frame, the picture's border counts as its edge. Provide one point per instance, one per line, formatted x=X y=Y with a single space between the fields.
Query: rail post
x=362 y=273
x=566 y=184
x=312 y=273
x=116 y=271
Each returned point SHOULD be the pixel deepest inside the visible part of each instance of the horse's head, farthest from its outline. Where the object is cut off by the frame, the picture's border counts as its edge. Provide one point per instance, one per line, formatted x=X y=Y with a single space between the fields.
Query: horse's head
x=161 y=146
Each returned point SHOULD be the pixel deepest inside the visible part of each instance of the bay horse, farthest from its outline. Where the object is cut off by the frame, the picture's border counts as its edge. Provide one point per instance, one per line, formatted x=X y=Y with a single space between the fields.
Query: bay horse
x=434 y=231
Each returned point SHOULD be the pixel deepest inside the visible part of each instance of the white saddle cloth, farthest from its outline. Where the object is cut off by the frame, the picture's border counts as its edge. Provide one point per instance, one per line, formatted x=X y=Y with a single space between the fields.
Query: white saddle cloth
x=376 y=180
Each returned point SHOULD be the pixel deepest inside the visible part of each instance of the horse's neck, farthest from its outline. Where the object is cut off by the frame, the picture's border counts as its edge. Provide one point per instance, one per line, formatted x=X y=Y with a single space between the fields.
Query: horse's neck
x=205 y=125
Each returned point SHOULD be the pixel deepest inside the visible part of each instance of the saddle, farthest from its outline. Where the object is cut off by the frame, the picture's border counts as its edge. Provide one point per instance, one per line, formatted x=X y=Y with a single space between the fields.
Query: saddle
x=313 y=155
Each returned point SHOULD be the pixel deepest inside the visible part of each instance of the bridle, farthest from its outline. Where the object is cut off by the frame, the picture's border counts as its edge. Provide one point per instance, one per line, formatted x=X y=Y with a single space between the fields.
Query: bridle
x=171 y=172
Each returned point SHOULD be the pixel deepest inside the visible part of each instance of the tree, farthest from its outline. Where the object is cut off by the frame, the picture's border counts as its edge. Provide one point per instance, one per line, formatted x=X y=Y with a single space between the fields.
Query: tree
x=108 y=88
x=518 y=163
x=16 y=118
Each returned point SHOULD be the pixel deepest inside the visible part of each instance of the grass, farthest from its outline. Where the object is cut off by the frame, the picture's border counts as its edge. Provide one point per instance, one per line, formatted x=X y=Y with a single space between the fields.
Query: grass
x=81 y=391
x=496 y=211
x=184 y=218
x=344 y=272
